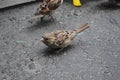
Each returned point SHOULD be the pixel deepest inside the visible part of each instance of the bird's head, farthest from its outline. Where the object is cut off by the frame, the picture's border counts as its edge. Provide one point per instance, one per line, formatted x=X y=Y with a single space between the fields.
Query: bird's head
x=48 y=39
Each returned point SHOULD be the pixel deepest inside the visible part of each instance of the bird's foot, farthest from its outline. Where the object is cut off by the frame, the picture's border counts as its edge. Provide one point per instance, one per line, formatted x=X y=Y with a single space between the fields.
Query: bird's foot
x=53 y=19
x=41 y=19
x=59 y=50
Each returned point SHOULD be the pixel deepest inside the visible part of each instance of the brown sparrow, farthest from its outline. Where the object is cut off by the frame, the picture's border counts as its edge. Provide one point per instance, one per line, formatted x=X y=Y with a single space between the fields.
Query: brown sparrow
x=61 y=38
x=47 y=7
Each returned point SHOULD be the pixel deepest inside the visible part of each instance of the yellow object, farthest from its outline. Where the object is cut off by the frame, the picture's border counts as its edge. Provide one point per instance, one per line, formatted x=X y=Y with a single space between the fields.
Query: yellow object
x=77 y=3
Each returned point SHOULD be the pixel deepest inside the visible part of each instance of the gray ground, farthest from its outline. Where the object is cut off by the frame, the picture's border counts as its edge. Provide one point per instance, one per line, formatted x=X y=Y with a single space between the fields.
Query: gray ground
x=93 y=55
x=7 y=3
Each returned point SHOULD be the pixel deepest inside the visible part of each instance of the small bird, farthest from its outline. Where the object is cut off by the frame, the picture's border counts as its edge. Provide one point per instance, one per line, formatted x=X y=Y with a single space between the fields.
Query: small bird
x=61 y=38
x=47 y=7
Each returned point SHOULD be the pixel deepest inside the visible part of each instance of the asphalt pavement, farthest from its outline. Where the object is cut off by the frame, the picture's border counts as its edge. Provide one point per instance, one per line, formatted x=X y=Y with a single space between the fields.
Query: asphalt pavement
x=93 y=55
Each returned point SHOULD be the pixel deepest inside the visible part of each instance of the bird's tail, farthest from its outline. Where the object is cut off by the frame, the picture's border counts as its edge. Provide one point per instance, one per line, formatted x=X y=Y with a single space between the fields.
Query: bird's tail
x=78 y=30
x=37 y=16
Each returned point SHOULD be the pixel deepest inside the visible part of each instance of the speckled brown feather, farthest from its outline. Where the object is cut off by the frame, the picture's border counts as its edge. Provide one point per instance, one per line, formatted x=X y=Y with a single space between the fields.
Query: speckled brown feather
x=47 y=7
x=61 y=38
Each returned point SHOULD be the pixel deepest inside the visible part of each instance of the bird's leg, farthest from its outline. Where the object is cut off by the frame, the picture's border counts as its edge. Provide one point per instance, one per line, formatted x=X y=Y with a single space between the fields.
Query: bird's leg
x=51 y=16
x=41 y=19
x=59 y=50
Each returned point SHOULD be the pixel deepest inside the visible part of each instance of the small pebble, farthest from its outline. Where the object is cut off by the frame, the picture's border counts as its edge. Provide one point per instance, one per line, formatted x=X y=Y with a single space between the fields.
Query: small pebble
x=31 y=59
x=20 y=42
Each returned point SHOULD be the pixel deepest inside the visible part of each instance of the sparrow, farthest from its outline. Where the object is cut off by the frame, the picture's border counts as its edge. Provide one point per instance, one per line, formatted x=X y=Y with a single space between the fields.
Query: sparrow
x=61 y=38
x=47 y=7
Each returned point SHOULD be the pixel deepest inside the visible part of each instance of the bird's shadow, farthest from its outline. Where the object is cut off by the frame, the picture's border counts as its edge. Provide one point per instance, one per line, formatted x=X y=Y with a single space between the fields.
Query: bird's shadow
x=47 y=52
x=108 y=6
x=36 y=24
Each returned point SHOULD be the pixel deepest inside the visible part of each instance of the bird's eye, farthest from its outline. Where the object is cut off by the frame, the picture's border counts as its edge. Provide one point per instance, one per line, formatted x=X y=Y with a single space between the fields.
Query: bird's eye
x=46 y=38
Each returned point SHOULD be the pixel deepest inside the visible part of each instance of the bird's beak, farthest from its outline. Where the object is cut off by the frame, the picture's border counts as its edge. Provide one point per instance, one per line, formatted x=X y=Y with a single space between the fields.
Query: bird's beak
x=42 y=40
